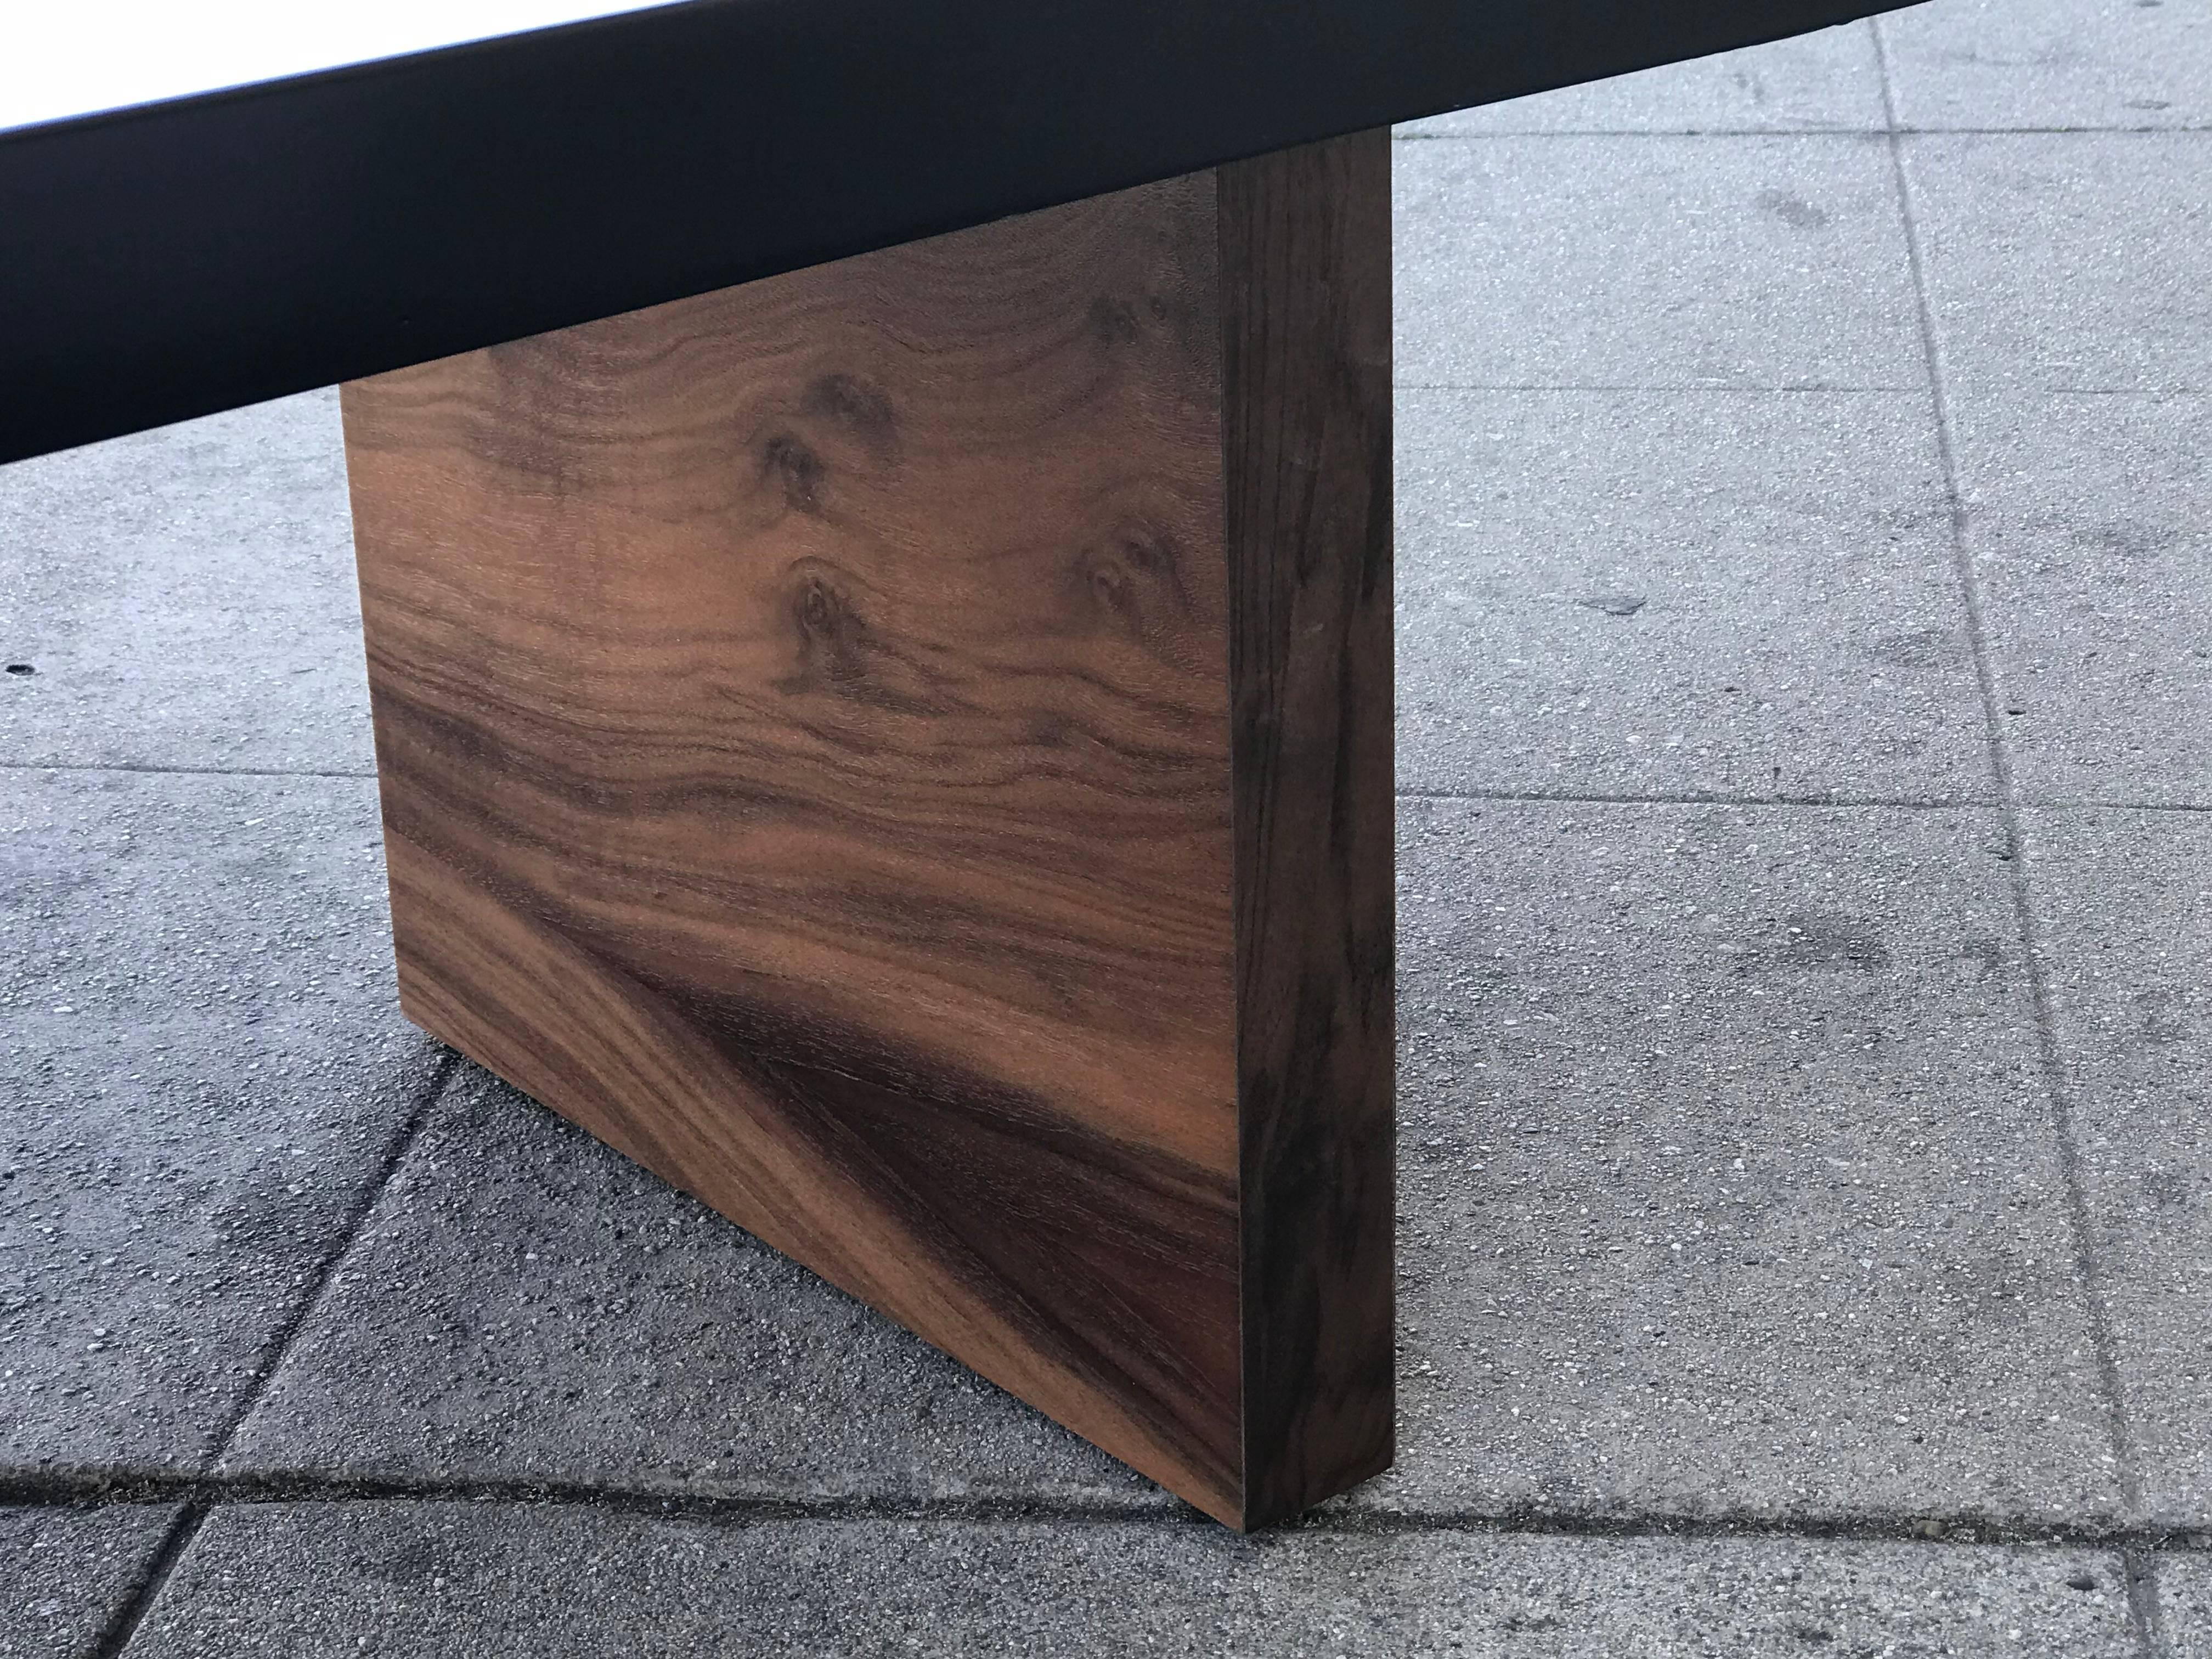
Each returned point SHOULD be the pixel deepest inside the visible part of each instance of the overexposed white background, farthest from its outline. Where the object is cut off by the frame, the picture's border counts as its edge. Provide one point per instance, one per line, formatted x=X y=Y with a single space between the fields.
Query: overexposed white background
x=85 y=56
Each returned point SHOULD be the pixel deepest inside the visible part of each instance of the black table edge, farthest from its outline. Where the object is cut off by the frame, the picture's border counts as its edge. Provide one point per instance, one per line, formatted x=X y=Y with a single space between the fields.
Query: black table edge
x=181 y=257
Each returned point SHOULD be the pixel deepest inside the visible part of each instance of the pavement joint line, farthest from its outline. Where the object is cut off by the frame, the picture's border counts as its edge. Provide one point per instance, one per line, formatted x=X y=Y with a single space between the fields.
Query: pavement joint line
x=2097 y=1310
x=2139 y=1571
x=1626 y=133
x=1593 y=797
x=1812 y=389
x=179 y=771
x=210 y=1492
x=1717 y=798
x=278 y=1347
x=2086 y=132
x=1654 y=389
x=2034 y=805
x=1698 y=797
x=122 y=1627
x=1897 y=131
x=2161 y=394
x=198 y=1493
x=1819 y=389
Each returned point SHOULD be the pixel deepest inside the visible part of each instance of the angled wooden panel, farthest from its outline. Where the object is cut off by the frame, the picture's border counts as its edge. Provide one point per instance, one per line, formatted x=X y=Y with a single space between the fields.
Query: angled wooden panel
x=814 y=759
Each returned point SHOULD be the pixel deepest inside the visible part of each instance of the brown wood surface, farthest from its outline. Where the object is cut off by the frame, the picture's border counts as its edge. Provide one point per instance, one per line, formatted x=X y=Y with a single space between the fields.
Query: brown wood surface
x=1305 y=276
x=833 y=743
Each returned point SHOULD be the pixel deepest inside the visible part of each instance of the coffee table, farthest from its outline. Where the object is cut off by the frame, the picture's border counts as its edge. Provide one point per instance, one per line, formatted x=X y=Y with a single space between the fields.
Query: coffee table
x=874 y=525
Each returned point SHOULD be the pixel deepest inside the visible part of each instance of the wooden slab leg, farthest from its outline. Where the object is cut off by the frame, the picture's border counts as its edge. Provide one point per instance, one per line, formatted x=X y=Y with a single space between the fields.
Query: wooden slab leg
x=903 y=750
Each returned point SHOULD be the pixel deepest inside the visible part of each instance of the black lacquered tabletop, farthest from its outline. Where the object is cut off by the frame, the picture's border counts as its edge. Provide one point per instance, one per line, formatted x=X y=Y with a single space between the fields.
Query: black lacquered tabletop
x=206 y=205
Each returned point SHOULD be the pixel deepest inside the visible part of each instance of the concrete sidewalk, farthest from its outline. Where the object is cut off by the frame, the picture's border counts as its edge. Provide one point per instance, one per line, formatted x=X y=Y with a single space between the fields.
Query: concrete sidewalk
x=1806 y=907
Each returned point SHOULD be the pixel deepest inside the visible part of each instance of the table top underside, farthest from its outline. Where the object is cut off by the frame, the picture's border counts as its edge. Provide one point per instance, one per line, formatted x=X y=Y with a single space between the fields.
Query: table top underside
x=205 y=212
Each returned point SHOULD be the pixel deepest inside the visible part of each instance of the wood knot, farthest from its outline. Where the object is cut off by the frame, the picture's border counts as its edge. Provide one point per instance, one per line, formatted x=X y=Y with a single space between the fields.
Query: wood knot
x=787 y=459
x=853 y=405
x=1135 y=578
x=827 y=626
x=838 y=652
x=1113 y=321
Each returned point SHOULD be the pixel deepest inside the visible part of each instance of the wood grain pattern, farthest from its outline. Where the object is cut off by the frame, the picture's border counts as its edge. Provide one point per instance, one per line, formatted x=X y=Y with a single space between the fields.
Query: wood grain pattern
x=1305 y=264
x=816 y=759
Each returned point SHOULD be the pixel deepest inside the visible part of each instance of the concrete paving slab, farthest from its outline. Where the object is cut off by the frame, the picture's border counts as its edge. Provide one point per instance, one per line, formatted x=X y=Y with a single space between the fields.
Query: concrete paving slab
x=2091 y=530
x=201 y=1065
x=486 y=1581
x=2124 y=901
x=1653 y=262
x=527 y=1305
x=2051 y=63
x=2068 y=262
x=1743 y=593
x=1727 y=1180
x=186 y=597
x=65 y=1572
x=1829 y=81
x=2184 y=1595
x=1603 y=1317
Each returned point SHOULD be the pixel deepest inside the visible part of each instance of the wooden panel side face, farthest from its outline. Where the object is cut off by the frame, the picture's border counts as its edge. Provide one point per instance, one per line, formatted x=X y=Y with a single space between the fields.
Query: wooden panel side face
x=1305 y=251
x=803 y=723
